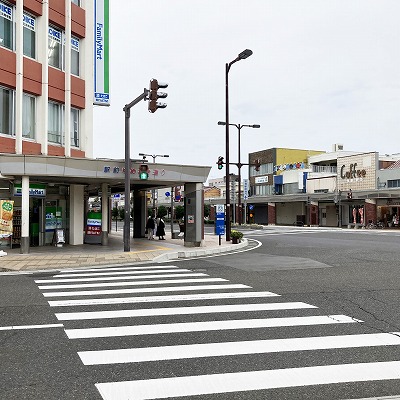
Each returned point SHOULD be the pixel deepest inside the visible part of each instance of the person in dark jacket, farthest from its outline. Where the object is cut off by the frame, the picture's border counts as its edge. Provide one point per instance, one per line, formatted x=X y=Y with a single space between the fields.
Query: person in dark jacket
x=160 y=229
x=150 y=226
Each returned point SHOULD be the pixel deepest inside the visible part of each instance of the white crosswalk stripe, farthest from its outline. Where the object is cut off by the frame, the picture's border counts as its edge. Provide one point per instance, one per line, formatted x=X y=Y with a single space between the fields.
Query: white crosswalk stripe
x=147 y=312
x=234 y=348
x=248 y=381
x=221 y=310
x=157 y=329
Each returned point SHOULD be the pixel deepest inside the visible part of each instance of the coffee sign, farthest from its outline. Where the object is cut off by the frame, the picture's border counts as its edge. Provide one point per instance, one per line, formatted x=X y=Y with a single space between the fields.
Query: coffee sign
x=352 y=172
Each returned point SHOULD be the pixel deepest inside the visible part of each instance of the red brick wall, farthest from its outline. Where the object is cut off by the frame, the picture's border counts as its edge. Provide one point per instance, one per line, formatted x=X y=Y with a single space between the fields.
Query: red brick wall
x=78 y=18
x=33 y=6
x=7 y=145
x=57 y=12
x=77 y=153
x=31 y=148
x=55 y=150
x=32 y=76
x=370 y=212
x=271 y=214
x=7 y=67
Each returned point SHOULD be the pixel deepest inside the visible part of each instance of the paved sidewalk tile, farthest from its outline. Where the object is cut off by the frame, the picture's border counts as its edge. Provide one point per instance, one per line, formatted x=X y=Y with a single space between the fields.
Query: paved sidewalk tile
x=142 y=250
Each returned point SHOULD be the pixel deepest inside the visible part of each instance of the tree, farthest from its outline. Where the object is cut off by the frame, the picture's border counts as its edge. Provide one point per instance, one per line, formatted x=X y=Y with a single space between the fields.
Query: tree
x=179 y=212
x=162 y=211
x=207 y=209
x=121 y=213
x=115 y=213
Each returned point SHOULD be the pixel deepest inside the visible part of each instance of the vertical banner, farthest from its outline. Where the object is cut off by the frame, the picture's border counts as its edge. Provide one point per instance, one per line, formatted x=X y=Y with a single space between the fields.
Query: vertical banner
x=101 y=53
x=6 y=216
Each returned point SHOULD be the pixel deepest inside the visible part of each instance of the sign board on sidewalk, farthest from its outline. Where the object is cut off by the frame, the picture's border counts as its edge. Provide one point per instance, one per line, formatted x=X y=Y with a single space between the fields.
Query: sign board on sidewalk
x=219 y=219
x=245 y=189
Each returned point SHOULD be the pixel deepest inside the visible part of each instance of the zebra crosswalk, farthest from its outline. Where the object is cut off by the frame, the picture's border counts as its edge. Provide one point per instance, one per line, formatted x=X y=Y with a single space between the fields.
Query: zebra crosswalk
x=110 y=312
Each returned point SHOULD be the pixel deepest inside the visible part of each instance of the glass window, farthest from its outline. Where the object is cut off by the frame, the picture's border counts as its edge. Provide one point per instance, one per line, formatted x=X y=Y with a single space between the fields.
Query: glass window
x=6 y=26
x=264 y=169
x=28 y=116
x=29 y=36
x=6 y=111
x=74 y=127
x=75 y=56
x=394 y=183
x=55 y=48
x=55 y=128
x=77 y=2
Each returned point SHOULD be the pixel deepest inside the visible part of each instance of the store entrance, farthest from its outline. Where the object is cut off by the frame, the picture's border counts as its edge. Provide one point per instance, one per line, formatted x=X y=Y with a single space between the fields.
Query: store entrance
x=55 y=218
x=36 y=224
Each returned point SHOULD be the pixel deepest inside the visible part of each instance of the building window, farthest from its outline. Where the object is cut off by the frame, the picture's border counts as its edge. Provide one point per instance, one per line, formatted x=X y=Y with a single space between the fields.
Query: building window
x=6 y=111
x=74 y=127
x=55 y=128
x=6 y=26
x=77 y=2
x=263 y=190
x=55 y=48
x=264 y=170
x=393 y=183
x=75 y=56
x=28 y=116
x=29 y=36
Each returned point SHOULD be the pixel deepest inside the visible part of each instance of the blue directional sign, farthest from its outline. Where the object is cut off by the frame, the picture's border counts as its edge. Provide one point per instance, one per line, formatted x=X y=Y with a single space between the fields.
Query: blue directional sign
x=219 y=219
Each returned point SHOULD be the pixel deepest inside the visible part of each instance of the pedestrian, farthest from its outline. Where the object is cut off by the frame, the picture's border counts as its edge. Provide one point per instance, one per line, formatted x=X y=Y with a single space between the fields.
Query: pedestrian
x=150 y=226
x=160 y=229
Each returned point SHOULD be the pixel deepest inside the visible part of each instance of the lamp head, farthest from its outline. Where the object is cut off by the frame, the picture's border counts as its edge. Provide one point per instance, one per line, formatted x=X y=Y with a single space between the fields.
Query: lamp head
x=244 y=54
x=221 y=123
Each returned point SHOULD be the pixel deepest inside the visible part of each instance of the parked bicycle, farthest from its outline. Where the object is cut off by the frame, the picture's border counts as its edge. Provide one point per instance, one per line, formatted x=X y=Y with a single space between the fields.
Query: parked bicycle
x=373 y=225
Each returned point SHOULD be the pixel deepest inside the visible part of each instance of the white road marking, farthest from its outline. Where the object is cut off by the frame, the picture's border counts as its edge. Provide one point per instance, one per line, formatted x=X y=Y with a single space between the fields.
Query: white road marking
x=145 y=290
x=246 y=381
x=161 y=271
x=84 y=333
x=136 y=283
x=153 y=299
x=150 y=312
x=118 y=268
x=120 y=278
x=163 y=353
x=21 y=327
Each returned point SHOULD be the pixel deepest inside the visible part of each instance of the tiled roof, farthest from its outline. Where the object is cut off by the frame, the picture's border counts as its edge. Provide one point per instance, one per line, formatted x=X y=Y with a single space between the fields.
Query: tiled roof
x=395 y=165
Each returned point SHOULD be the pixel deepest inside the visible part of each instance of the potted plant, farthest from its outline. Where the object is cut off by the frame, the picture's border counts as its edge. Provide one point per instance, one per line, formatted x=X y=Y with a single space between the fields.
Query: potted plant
x=236 y=236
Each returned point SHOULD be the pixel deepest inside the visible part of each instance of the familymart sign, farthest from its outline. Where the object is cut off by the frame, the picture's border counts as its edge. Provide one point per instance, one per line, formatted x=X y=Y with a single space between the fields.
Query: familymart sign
x=34 y=190
x=101 y=53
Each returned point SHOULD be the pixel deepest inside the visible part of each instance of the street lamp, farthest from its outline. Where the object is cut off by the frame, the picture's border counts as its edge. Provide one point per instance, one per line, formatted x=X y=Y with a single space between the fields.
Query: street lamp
x=154 y=190
x=243 y=55
x=239 y=164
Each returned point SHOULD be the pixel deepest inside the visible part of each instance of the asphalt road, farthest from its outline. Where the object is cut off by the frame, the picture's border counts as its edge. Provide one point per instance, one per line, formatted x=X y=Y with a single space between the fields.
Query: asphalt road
x=313 y=314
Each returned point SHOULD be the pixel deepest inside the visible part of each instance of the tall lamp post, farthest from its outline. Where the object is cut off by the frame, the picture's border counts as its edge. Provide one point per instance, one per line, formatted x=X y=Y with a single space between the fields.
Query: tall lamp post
x=239 y=164
x=154 y=160
x=243 y=55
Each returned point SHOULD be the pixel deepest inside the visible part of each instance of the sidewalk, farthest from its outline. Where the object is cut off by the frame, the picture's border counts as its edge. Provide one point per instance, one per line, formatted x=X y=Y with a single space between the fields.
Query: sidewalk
x=86 y=255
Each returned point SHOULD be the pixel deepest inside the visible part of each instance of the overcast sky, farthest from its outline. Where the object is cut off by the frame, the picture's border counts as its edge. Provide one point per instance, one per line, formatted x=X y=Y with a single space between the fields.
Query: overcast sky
x=322 y=72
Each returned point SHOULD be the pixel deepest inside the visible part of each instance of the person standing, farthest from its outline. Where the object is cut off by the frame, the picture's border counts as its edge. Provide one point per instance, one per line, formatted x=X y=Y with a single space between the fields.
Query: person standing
x=150 y=226
x=160 y=229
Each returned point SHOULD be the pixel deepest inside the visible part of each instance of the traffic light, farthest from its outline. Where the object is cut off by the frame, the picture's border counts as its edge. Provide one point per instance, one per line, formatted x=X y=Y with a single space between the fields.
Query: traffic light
x=257 y=165
x=144 y=172
x=349 y=194
x=154 y=95
x=220 y=162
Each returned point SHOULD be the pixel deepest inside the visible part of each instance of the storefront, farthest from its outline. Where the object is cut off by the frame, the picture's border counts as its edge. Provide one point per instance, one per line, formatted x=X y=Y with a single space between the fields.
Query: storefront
x=49 y=194
x=48 y=211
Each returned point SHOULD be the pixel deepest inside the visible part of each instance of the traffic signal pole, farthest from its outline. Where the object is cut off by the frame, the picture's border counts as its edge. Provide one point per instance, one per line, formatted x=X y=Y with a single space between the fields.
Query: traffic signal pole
x=127 y=219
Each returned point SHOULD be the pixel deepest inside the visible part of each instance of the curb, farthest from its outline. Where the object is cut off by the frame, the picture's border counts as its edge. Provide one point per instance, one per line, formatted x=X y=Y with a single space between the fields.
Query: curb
x=198 y=252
